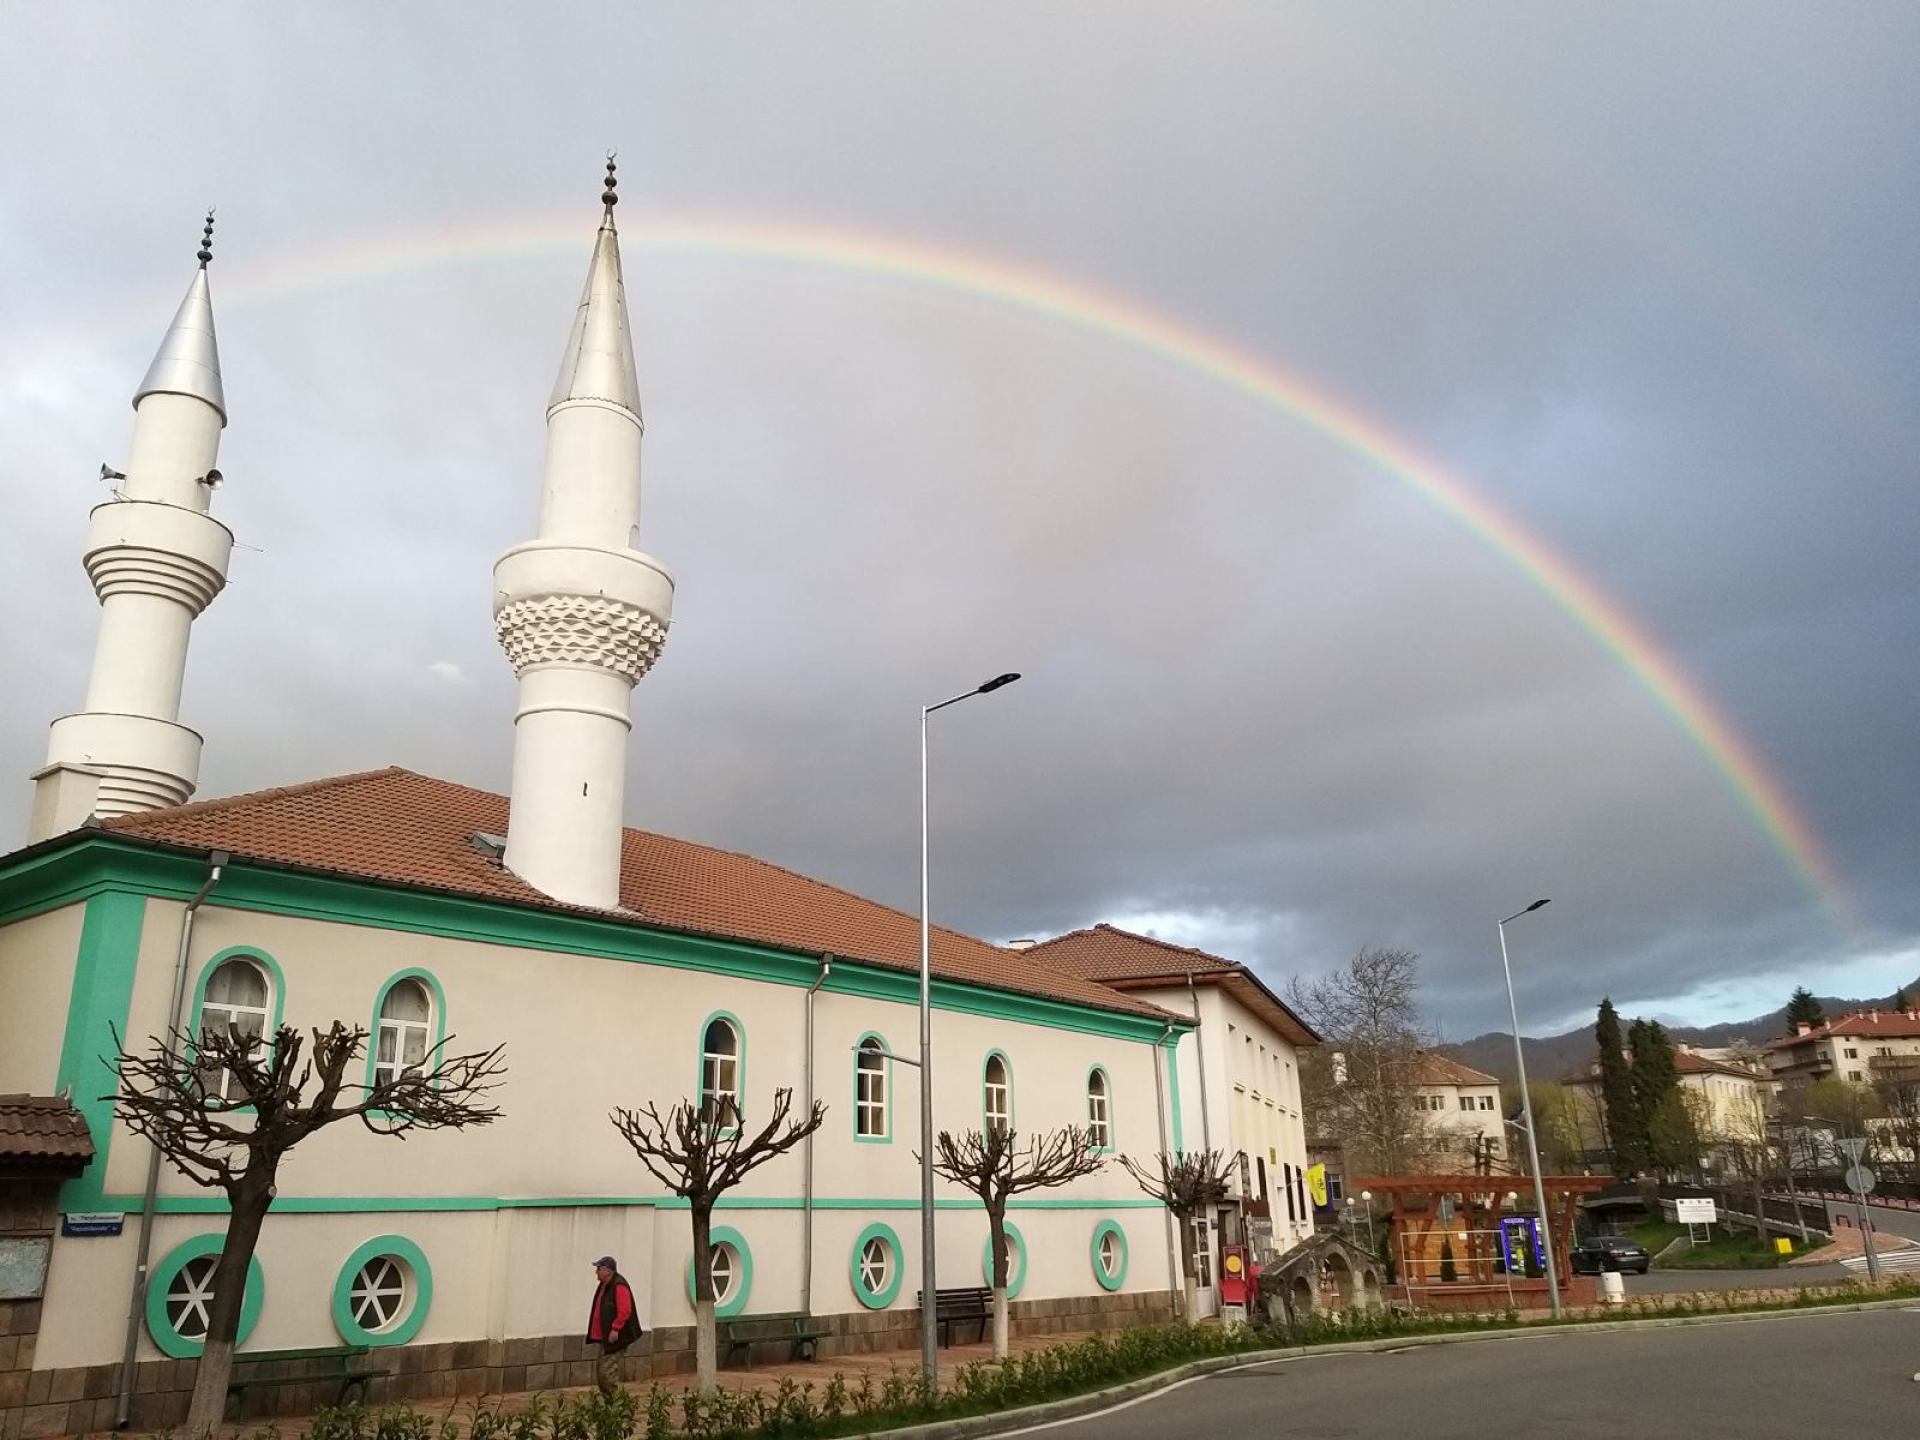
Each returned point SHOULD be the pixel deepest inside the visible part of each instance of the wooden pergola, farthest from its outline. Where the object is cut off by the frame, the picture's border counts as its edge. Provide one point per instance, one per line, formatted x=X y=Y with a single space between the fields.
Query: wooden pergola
x=1473 y=1226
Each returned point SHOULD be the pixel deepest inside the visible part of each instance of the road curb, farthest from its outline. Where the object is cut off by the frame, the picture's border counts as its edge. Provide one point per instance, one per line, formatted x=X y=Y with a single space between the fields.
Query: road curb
x=1048 y=1412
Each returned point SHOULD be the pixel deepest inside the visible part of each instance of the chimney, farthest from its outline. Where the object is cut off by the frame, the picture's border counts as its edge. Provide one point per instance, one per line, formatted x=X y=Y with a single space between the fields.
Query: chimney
x=1801 y=1027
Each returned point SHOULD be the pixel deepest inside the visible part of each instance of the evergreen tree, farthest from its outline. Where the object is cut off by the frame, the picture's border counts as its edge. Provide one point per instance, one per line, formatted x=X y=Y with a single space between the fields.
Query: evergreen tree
x=1666 y=1129
x=1803 y=1009
x=1626 y=1132
x=1903 y=1001
x=1449 y=1272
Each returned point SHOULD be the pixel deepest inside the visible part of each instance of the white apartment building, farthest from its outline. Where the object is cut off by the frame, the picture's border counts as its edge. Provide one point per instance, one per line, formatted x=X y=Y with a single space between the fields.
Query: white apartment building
x=1461 y=1106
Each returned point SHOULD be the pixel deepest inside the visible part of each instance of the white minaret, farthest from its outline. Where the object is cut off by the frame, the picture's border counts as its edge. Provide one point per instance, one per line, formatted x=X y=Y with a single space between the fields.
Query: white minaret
x=156 y=559
x=581 y=614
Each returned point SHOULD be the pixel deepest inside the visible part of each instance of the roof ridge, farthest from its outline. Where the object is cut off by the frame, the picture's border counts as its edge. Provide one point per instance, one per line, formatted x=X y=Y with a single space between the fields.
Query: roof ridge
x=1168 y=945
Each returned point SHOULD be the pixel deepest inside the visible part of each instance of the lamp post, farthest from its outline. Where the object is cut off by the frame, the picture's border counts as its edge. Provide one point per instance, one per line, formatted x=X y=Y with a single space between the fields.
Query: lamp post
x=929 y=1326
x=1526 y=1111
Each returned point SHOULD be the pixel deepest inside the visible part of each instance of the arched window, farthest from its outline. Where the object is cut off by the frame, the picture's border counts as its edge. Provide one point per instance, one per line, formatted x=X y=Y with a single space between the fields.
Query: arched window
x=236 y=1001
x=406 y=1022
x=1099 y=1110
x=720 y=1072
x=998 y=1096
x=870 y=1090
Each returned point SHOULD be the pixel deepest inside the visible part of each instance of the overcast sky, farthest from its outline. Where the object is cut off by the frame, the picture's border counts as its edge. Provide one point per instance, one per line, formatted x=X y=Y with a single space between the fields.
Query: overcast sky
x=1644 y=281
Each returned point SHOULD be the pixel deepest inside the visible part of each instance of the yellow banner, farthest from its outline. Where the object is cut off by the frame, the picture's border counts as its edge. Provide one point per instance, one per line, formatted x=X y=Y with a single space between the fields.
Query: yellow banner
x=1317 y=1185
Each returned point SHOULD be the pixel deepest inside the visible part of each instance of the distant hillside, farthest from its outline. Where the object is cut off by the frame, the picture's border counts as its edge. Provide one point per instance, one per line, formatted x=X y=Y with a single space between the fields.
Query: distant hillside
x=1555 y=1057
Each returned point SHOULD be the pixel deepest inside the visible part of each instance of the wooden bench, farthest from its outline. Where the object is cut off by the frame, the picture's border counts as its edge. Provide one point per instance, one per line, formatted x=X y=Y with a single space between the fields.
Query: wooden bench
x=305 y=1367
x=798 y=1331
x=974 y=1304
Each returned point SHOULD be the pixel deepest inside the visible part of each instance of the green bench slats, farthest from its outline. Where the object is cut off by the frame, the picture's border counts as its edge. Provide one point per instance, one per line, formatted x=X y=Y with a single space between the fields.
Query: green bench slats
x=974 y=1303
x=327 y=1362
x=798 y=1330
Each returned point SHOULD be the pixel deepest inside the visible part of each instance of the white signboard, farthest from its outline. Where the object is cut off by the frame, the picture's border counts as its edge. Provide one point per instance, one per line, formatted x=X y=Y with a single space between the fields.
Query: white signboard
x=1694 y=1212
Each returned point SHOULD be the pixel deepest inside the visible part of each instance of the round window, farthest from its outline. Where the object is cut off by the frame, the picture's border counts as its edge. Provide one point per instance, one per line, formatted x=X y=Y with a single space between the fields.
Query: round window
x=1016 y=1261
x=180 y=1297
x=383 y=1292
x=1109 y=1255
x=875 y=1268
x=732 y=1272
x=378 y=1296
x=189 y=1302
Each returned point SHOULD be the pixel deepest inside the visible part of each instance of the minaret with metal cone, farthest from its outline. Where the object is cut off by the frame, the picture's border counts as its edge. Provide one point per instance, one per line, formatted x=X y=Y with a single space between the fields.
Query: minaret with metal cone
x=580 y=614
x=156 y=559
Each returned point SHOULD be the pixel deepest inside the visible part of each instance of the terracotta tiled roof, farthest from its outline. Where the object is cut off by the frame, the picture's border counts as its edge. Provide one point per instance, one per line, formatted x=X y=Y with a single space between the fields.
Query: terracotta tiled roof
x=1864 y=1025
x=1126 y=961
x=43 y=1130
x=1687 y=1063
x=1439 y=1070
x=402 y=828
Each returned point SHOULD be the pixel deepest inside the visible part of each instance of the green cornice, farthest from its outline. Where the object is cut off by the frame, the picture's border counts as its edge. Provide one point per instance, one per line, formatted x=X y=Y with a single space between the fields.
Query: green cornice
x=215 y=1204
x=60 y=873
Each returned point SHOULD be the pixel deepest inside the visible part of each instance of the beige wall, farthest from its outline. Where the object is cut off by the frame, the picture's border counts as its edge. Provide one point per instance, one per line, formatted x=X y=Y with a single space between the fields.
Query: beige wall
x=583 y=1035
x=37 y=959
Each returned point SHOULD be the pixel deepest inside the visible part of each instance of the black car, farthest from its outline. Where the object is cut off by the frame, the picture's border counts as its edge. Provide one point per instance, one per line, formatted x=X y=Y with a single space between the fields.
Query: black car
x=1610 y=1252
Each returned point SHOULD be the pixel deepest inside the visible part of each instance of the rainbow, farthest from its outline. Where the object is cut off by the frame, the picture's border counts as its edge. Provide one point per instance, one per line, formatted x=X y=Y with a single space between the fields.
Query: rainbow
x=1126 y=321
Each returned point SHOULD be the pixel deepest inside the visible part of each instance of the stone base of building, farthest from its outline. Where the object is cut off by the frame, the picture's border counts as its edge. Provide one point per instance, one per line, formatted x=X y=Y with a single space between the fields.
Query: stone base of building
x=83 y=1399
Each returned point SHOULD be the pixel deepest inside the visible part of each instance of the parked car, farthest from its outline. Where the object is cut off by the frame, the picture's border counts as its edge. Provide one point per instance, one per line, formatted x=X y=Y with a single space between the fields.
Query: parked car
x=1610 y=1252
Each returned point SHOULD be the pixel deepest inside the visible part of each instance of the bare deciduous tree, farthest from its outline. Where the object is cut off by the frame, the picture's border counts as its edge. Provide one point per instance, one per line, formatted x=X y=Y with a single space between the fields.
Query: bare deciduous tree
x=1363 y=1081
x=224 y=1108
x=993 y=1165
x=1190 y=1184
x=700 y=1152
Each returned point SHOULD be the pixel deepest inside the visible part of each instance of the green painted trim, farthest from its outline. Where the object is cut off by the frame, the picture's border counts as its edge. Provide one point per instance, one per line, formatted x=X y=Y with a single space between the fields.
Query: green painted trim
x=436 y=997
x=415 y=1204
x=1101 y=1231
x=1172 y=1048
x=1112 y=1139
x=739 y=1066
x=1007 y=1066
x=92 y=863
x=886 y=1093
x=102 y=996
x=743 y=1285
x=884 y=1298
x=1016 y=1282
x=415 y=1260
x=171 y=1341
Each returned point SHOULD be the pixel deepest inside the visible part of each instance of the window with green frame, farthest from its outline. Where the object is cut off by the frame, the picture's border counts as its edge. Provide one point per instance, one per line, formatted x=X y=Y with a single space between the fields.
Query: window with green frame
x=872 y=1090
x=722 y=1062
x=1099 y=1109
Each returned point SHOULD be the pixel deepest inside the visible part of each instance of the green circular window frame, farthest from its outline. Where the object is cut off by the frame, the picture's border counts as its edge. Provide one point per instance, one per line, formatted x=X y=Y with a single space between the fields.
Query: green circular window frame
x=415 y=1259
x=171 y=1342
x=727 y=1235
x=882 y=1299
x=1100 y=1232
x=1017 y=1281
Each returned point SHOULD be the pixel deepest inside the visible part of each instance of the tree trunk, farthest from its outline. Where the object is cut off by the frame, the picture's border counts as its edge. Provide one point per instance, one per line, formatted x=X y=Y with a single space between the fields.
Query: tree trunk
x=1189 y=1275
x=705 y=1345
x=997 y=1249
x=209 y=1404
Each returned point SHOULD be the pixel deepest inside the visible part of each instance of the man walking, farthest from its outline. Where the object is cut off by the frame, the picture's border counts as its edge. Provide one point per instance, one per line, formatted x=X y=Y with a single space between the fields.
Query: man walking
x=613 y=1324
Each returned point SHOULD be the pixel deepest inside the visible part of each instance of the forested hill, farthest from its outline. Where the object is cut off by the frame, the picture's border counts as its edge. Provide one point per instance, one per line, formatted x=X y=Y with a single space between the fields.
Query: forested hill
x=1555 y=1057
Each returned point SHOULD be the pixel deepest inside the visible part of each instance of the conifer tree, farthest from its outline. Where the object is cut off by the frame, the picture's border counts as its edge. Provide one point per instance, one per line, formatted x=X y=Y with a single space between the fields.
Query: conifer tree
x=1665 y=1127
x=1626 y=1130
x=1804 y=1009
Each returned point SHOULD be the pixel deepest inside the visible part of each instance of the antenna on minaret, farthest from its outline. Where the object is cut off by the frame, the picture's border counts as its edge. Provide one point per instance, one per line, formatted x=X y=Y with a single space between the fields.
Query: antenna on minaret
x=607 y=196
x=206 y=241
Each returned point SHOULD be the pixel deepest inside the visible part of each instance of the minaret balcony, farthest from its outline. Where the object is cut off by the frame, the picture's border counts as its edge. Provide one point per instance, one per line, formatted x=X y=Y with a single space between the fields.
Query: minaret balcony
x=557 y=603
x=146 y=547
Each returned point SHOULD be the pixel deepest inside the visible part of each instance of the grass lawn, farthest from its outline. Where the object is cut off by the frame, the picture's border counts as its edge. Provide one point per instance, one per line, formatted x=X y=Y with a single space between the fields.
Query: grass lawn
x=1735 y=1250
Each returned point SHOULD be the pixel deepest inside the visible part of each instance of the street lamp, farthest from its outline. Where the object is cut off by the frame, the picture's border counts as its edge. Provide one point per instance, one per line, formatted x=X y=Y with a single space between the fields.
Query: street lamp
x=1526 y=1111
x=929 y=1324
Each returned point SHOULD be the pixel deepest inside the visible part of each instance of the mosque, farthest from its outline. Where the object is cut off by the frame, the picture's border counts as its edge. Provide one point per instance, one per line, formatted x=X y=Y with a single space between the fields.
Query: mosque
x=614 y=966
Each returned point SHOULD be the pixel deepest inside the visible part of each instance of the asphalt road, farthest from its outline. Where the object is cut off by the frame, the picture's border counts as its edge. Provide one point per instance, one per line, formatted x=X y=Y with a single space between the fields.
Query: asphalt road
x=1671 y=1282
x=1767 y=1379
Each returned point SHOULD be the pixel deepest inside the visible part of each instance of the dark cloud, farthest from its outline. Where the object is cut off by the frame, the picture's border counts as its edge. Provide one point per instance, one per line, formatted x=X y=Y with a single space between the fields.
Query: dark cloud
x=1644 y=282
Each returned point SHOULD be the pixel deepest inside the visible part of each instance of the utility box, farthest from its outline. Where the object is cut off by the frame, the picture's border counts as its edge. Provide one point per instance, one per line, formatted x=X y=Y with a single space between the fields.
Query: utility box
x=1782 y=1245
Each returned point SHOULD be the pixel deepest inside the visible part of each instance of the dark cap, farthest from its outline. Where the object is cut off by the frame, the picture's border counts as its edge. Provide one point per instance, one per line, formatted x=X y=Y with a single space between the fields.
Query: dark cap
x=606 y=1260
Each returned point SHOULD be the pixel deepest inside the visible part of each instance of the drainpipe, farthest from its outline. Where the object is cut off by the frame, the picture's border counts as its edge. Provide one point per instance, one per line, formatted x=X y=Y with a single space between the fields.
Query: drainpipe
x=1200 y=1047
x=1161 y=1057
x=217 y=862
x=806 y=1204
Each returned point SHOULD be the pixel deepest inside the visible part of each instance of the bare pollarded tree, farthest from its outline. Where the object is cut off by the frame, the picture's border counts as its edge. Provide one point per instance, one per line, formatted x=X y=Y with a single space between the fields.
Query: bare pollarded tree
x=224 y=1108
x=1190 y=1183
x=994 y=1165
x=700 y=1152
